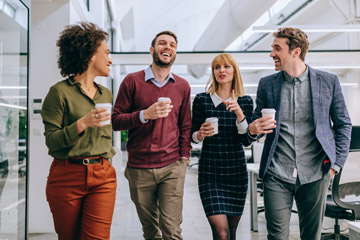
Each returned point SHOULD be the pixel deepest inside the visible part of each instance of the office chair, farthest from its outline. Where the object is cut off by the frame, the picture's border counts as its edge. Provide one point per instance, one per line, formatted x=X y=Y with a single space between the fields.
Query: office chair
x=344 y=200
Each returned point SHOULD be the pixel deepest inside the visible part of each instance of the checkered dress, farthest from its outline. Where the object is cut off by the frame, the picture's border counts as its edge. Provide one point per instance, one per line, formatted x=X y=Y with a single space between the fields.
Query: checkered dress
x=223 y=177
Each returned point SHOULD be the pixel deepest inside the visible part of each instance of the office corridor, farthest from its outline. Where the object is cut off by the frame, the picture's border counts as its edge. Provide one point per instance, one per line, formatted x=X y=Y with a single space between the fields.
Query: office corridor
x=126 y=225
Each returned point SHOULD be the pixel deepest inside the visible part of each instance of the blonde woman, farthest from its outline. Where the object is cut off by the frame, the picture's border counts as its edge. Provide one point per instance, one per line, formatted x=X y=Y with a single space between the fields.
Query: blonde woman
x=223 y=178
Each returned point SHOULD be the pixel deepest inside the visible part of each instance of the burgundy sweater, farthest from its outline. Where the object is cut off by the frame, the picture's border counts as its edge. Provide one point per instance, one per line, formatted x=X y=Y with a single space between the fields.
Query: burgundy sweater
x=159 y=142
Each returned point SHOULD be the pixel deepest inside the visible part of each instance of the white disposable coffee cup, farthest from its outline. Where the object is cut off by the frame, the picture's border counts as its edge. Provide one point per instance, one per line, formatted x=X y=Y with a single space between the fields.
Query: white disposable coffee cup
x=164 y=99
x=268 y=112
x=108 y=107
x=214 y=123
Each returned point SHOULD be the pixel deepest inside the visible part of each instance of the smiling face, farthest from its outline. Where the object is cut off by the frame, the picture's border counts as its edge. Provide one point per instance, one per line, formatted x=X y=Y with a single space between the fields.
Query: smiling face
x=284 y=59
x=100 y=62
x=224 y=73
x=164 y=52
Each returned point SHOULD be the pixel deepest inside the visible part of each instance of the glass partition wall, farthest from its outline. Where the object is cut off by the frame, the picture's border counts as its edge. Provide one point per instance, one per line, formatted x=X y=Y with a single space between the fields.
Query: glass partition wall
x=14 y=28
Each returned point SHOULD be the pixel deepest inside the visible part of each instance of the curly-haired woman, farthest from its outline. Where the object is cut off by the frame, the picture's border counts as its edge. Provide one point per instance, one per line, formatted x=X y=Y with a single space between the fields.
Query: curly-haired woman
x=81 y=184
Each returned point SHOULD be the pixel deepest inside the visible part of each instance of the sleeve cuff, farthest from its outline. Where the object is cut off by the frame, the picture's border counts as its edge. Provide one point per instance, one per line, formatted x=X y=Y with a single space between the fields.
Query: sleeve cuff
x=72 y=130
x=194 y=137
x=337 y=168
x=252 y=137
x=142 y=117
x=242 y=126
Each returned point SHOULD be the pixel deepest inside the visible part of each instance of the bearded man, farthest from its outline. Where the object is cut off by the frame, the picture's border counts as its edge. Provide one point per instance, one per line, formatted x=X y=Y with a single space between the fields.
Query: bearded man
x=159 y=139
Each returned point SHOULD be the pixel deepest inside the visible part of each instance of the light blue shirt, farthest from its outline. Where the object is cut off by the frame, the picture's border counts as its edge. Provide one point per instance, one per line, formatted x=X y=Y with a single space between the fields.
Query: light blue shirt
x=149 y=75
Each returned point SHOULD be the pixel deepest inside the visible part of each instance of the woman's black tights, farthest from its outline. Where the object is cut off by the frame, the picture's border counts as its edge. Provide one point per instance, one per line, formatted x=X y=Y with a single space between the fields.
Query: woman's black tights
x=224 y=227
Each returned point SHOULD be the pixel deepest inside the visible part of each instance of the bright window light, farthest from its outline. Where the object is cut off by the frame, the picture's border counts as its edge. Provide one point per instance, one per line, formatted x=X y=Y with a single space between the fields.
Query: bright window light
x=247 y=33
x=265 y=18
x=310 y=28
x=13 y=97
x=12 y=106
x=13 y=87
x=9 y=10
x=354 y=85
x=279 y=5
x=262 y=20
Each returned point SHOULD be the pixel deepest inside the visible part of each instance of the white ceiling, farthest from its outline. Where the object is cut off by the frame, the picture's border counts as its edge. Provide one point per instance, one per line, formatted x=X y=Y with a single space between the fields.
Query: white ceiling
x=214 y=25
x=223 y=25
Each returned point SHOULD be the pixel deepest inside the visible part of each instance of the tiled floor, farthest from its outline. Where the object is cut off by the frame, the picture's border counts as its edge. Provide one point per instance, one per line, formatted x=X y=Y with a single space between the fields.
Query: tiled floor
x=126 y=225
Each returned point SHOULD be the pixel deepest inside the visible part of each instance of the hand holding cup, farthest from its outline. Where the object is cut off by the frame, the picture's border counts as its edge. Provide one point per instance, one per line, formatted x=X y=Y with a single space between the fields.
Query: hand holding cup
x=104 y=118
x=269 y=115
x=97 y=117
x=165 y=104
x=208 y=128
x=159 y=109
x=265 y=124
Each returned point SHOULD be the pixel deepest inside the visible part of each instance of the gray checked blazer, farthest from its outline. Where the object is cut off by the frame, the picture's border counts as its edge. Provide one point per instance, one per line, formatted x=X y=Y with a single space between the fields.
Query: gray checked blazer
x=331 y=118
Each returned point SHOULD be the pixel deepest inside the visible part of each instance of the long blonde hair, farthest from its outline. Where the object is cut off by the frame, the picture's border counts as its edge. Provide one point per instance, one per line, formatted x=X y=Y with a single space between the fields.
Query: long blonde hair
x=237 y=82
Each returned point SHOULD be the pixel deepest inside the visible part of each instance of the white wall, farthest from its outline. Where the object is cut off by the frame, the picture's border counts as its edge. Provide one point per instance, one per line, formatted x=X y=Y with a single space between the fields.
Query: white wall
x=48 y=19
x=352 y=95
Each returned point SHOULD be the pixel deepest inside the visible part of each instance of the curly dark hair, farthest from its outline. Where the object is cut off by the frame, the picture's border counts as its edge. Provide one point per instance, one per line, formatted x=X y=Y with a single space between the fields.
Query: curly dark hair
x=77 y=44
x=296 y=38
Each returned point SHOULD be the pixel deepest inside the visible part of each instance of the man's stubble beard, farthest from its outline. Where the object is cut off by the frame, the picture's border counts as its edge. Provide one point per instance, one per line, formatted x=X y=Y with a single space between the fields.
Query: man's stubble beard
x=160 y=63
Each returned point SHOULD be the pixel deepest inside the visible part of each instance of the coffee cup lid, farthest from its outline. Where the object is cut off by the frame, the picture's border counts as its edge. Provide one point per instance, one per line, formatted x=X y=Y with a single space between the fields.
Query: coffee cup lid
x=268 y=110
x=164 y=99
x=100 y=105
x=212 y=119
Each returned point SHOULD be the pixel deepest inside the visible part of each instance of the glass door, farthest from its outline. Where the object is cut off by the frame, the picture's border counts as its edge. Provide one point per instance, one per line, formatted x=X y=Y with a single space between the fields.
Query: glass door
x=14 y=27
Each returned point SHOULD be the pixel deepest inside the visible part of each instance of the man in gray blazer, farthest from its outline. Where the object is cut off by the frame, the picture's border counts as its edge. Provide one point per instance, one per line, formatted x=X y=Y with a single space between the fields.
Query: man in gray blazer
x=308 y=144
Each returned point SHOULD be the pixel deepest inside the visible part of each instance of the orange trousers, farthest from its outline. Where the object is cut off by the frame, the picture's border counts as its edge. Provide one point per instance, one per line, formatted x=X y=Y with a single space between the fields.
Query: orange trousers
x=81 y=199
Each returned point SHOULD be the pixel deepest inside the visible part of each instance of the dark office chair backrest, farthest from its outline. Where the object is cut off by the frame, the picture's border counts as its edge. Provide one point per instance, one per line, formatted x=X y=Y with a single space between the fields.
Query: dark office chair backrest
x=344 y=201
x=355 y=139
x=346 y=194
x=340 y=192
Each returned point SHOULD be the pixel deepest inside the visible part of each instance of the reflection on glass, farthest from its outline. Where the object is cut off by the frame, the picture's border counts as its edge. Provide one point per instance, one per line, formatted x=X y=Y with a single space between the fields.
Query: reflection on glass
x=13 y=117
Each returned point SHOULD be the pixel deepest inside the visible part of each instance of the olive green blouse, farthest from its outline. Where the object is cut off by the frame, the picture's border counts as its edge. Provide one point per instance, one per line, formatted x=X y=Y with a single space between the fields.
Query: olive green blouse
x=65 y=103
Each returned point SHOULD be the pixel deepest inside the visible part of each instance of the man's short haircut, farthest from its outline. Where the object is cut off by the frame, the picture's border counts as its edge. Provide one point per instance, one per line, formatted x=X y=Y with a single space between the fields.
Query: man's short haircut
x=164 y=33
x=77 y=44
x=296 y=38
